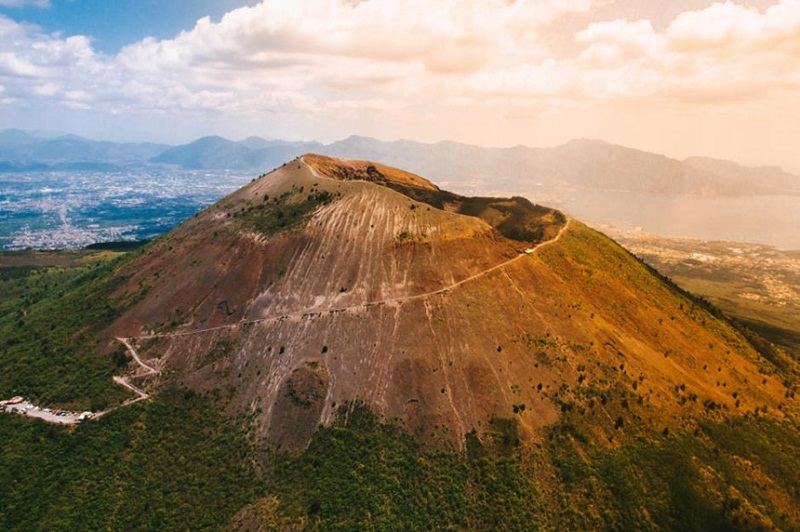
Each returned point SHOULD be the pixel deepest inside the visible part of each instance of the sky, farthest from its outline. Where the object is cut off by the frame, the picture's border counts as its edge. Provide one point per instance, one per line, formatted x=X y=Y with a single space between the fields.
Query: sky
x=678 y=77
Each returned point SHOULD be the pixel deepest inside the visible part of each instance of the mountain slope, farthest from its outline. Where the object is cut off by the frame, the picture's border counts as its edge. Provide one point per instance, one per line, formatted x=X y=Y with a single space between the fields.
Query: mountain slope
x=206 y=152
x=314 y=287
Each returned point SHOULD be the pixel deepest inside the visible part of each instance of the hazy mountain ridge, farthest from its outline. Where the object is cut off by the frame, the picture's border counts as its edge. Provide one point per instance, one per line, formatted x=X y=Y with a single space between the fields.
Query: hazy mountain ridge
x=602 y=184
x=23 y=151
x=580 y=163
x=253 y=153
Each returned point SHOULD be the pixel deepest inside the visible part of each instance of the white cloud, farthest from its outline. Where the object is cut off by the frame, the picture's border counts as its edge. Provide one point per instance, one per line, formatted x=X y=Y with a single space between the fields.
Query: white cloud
x=313 y=36
x=721 y=53
x=390 y=50
x=323 y=66
x=37 y=67
x=330 y=54
x=611 y=44
x=47 y=89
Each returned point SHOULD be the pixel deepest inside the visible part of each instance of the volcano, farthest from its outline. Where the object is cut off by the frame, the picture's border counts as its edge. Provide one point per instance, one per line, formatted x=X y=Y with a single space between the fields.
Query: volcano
x=332 y=282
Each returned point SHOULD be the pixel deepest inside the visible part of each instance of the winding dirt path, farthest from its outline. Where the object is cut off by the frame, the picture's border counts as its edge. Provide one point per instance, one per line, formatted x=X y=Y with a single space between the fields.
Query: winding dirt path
x=361 y=306
x=150 y=370
x=125 y=382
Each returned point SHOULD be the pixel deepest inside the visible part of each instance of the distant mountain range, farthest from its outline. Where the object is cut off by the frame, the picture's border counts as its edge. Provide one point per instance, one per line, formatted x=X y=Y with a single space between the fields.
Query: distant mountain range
x=591 y=164
x=26 y=151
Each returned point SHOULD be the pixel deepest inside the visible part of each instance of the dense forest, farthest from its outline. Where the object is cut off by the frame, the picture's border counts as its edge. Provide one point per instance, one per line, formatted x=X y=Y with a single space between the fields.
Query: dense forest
x=176 y=463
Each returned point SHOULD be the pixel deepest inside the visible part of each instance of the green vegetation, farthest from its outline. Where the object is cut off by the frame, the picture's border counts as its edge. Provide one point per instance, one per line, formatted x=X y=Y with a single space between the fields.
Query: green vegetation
x=364 y=475
x=404 y=236
x=177 y=463
x=702 y=480
x=49 y=318
x=286 y=212
x=538 y=342
x=170 y=464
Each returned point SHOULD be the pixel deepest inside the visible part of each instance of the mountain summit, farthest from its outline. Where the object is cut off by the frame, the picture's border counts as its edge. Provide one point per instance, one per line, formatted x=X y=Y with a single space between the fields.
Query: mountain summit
x=332 y=282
